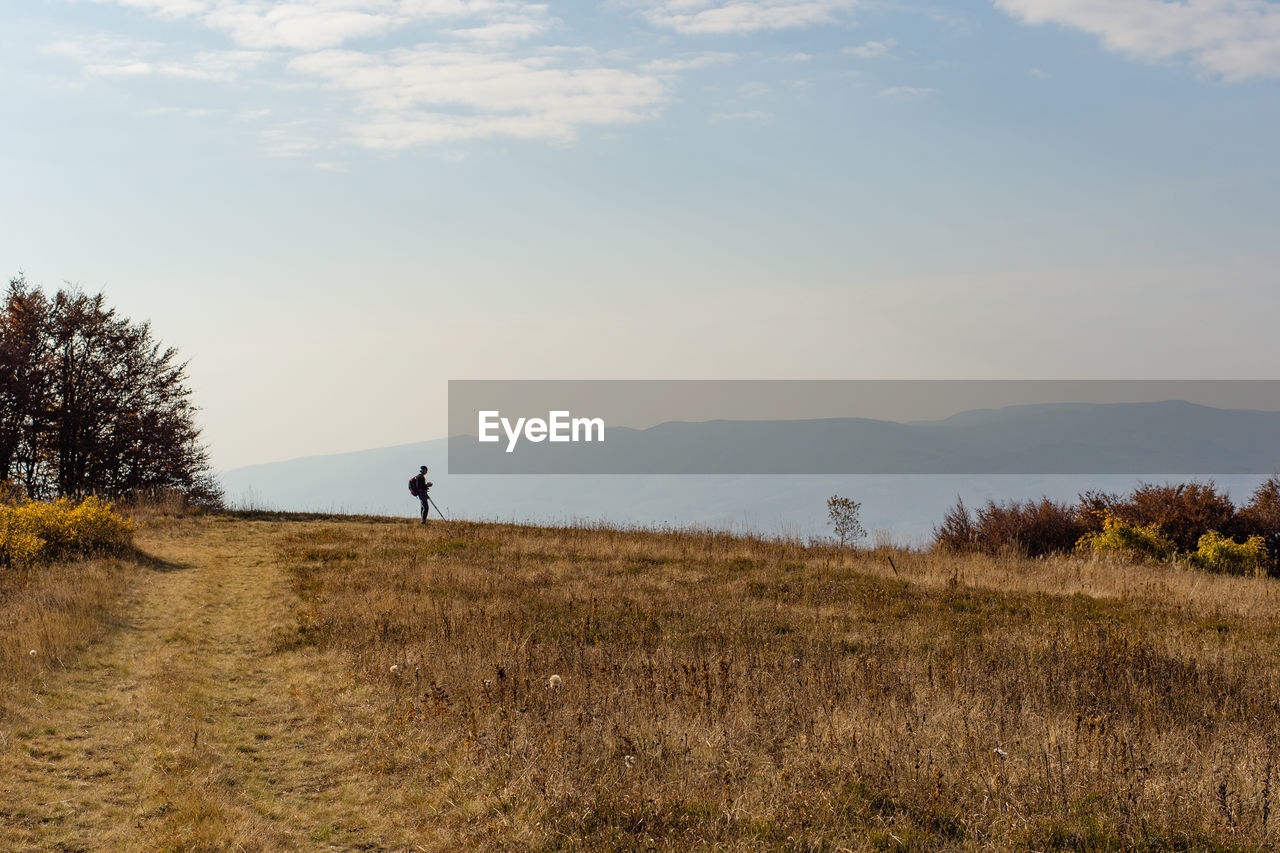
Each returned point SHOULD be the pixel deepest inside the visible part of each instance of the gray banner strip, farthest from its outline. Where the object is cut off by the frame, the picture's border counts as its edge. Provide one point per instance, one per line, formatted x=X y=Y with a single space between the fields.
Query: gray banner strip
x=971 y=427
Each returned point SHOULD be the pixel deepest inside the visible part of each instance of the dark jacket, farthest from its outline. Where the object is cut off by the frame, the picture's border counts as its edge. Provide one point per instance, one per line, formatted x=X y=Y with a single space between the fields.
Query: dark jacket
x=423 y=485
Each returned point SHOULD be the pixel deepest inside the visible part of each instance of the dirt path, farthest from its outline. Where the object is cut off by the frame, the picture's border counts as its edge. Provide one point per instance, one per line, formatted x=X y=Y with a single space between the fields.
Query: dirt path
x=195 y=726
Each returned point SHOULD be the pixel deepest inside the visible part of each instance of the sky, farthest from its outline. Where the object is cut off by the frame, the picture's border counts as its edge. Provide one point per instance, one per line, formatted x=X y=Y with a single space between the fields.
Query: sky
x=333 y=207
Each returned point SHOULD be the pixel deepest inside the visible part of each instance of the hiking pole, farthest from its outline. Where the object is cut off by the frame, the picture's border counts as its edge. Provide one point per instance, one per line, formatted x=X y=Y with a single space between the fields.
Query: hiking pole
x=433 y=503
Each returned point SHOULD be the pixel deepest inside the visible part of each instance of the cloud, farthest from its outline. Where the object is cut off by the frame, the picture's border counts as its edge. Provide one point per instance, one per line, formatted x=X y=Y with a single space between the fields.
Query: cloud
x=107 y=57
x=296 y=25
x=1233 y=39
x=318 y=24
x=754 y=89
x=749 y=115
x=504 y=32
x=703 y=17
x=872 y=49
x=687 y=62
x=439 y=93
x=486 y=71
x=905 y=92
x=171 y=9
x=292 y=139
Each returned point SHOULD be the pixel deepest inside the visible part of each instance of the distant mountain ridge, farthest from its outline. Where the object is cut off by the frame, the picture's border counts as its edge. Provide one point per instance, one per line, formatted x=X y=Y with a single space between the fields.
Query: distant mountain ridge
x=908 y=504
x=1062 y=438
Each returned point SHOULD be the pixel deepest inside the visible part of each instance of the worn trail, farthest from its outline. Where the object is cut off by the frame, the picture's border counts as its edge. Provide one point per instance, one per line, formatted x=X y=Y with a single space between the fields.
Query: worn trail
x=197 y=724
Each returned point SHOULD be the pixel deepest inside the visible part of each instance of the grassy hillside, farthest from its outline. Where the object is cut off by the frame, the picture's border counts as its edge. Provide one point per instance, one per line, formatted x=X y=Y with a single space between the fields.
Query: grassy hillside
x=580 y=689
x=333 y=683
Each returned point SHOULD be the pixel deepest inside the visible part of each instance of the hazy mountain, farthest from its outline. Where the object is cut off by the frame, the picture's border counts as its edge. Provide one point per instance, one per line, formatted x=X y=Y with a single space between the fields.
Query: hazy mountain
x=1176 y=437
x=1065 y=438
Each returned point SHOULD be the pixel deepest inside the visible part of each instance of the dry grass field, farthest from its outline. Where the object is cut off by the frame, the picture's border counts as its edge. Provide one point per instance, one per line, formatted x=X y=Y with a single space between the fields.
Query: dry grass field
x=338 y=684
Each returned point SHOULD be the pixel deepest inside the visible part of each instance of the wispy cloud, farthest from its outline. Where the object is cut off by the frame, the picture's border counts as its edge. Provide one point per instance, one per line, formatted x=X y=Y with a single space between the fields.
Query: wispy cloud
x=701 y=17
x=872 y=49
x=1234 y=39
x=483 y=76
x=104 y=56
x=318 y=24
x=438 y=93
x=753 y=89
x=486 y=70
x=292 y=139
x=505 y=31
x=171 y=9
x=688 y=62
x=905 y=92
x=748 y=115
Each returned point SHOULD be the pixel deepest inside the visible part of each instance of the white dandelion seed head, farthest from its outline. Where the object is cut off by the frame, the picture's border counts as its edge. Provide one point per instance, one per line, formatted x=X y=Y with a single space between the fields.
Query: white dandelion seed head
x=33 y=653
x=395 y=667
x=554 y=682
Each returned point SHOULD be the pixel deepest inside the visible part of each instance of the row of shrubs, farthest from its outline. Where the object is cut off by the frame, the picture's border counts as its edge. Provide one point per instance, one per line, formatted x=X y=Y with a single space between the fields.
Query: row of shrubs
x=37 y=531
x=1192 y=521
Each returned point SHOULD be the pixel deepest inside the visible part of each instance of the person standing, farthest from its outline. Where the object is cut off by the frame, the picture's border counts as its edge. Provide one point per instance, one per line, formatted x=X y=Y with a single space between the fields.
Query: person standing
x=420 y=489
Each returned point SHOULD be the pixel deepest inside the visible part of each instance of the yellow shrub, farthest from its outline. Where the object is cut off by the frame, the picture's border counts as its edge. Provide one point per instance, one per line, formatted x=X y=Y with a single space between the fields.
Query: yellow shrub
x=94 y=527
x=36 y=531
x=1127 y=540
x=1219 y=553
x=19 y=544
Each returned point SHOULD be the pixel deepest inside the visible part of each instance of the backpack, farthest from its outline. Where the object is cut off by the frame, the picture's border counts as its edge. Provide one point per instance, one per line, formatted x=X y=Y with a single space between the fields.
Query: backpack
x=413 y=486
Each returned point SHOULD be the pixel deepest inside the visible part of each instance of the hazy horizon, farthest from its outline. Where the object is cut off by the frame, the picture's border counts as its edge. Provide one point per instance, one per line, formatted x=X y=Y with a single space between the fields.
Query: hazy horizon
x=442 y=440
x=333 y=207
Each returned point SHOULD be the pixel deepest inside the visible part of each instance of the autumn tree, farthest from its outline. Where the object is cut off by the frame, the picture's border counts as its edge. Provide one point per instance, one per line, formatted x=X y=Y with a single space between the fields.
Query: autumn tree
x=25 y=403
x=92 y=403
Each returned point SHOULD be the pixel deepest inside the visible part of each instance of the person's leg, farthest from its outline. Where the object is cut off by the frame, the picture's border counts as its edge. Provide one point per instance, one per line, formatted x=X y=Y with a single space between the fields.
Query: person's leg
x=425 y=507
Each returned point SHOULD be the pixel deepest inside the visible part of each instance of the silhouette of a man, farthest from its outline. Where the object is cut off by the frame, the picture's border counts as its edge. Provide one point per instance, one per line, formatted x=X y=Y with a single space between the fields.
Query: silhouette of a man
x=423 y=491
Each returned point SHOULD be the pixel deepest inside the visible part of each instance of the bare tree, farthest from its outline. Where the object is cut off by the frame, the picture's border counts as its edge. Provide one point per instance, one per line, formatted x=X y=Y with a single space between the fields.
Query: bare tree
x=842 y=515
